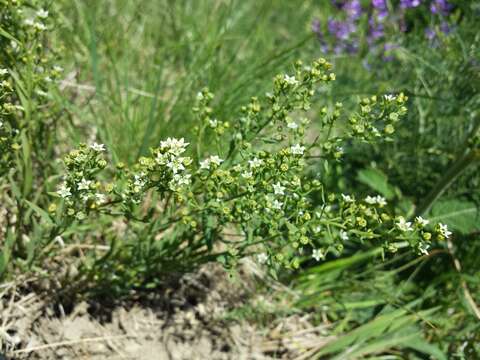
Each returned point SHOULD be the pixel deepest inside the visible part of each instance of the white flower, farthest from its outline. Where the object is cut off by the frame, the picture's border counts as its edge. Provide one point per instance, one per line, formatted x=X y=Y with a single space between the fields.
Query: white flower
x=370 y=200
x=421 y=221
x=58 y=68
x=423 y=248
x=64 y=191
x=290 y=80
x=84 y=184
x=182 y=179
x=277 y=204
x=39 y=26
x=262 y=258
x=318 y=229
x=213 y=123
x=443 y=229
x=347 y=198
x=215 y=159
x=278 y=189
x=98 y=147
x=42 y=13
x=139 y=181
x=161 y=159
x=101 y=198
x=3 y=71
x=255 y=163
x=343 y=235
x=389 y=97
x=297 y=149
x=292 y=125
x=176 y=165
x=29 y=22
x=318 y=254
x=404 y=225
x=174 y=146
x=381 y=201
x=247 y=174
x=205 y=164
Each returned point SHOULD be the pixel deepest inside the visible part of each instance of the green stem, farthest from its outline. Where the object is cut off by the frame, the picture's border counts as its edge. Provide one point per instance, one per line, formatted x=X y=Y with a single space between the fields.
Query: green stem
x=463 y=161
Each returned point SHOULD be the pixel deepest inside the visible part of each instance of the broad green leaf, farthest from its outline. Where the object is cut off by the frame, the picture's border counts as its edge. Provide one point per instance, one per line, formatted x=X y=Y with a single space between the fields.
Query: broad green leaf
x=462 y=216
x=376 y=180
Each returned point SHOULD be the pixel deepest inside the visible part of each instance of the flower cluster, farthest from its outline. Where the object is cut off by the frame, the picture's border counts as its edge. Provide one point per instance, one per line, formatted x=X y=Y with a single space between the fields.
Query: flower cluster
x=342 y=34
x=255 y=194
x=80 y=191
x=378 y=116
x=165 y=171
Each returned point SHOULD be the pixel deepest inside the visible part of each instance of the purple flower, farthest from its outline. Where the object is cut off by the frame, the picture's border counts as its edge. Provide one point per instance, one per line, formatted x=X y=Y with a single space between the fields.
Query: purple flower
x=341 y=29
x=441 y=7
x=376 y=29
x=379 y=4
x=445 y=28
x=353 y=9
x=380 y=8
x=405 y=4
x=430 y=33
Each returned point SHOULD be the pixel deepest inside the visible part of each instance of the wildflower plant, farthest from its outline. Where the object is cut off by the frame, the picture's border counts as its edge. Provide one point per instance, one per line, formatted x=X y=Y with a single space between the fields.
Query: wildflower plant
x=254 y=194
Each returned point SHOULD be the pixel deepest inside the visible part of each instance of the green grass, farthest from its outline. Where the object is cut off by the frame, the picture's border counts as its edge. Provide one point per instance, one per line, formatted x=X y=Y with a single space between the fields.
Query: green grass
x=139 y=64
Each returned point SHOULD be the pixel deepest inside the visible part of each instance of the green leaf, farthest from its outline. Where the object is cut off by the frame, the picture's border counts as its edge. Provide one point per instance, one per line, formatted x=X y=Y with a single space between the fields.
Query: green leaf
x=462 y=216
x=7 y=35
x=376 y=180
x=423 y=346
x=6 y=252
x=27 y=164
x=40 y=212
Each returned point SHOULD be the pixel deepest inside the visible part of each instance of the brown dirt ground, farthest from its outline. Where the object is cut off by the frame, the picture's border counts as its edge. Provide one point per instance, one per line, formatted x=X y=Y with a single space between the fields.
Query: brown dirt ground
x=187 y=323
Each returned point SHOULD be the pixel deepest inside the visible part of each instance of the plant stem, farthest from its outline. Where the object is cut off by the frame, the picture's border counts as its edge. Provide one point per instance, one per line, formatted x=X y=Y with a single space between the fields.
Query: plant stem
x=464 y=160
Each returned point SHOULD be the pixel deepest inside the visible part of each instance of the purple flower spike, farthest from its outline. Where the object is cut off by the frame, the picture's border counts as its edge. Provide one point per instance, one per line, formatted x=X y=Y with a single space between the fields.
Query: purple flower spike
x=341 y=30
x=379 y=4
x=440 y=7
x=380 y=8
x=406 y=4
x=353 y=9
x=376 y=30
x=445 y=28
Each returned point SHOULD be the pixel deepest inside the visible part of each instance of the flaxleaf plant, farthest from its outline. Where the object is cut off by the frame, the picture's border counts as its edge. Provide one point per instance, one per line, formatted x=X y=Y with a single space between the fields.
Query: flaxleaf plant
x=185 y=205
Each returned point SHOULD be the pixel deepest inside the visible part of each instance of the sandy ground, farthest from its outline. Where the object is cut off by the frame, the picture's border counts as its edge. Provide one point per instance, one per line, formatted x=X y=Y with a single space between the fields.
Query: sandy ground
x=187 y=323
